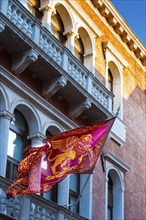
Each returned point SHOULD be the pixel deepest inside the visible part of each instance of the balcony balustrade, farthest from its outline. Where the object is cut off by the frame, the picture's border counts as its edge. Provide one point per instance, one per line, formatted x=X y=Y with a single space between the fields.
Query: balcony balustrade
x=17 y=20
x=31 y=207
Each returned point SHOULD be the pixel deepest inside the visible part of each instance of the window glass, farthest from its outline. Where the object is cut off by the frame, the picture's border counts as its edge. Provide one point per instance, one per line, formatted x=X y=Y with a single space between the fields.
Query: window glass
x=74 y=192
x=73 y=184
x=110 y=198
x=110 y=81
x=79 y=49
x=58 y=28
x=33 y=6
x=17 y=136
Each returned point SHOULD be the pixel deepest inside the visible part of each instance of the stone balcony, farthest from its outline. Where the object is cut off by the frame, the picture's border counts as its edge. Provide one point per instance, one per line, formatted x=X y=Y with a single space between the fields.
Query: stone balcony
x=35 y=48
x=37 y=207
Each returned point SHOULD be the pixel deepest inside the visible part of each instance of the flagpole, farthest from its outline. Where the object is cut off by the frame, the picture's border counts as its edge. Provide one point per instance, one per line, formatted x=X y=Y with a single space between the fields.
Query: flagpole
x=78 y=199
x=101 y=156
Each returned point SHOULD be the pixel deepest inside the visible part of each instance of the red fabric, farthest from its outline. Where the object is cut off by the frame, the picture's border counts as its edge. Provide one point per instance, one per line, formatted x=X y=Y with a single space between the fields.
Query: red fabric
x=73 y=151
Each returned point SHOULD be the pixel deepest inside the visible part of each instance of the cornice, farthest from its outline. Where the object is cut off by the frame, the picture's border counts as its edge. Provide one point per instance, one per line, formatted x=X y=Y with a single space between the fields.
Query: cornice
x=115 y=160
x=120 y=27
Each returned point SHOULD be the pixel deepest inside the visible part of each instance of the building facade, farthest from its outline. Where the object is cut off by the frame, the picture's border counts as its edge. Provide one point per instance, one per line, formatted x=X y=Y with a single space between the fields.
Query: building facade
x=65 y=64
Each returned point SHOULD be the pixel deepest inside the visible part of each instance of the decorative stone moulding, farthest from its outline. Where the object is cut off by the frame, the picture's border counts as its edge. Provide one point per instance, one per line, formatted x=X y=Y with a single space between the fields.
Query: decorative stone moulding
x=107 y=10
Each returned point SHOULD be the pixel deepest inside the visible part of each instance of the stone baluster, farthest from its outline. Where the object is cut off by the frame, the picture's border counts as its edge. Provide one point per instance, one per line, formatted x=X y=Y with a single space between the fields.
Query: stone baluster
x=3 y=201
x=89 y=84
x=31 y=216
x=5 y=118
x=37 y=212
x=16 y=208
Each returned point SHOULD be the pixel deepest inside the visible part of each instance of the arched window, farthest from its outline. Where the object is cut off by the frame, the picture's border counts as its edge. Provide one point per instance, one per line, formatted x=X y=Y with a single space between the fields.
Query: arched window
x=114 y=196
x=110 y=84
x=58 y=28
x=114 y=85
x=110 y=199
x=79 y=49
x=110 y=81
x=18 y=133
x=74 y=191
x=33 y=7
x=17 y=136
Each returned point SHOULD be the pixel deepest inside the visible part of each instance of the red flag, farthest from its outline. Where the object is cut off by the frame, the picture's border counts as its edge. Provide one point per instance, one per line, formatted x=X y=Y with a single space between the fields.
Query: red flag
x=73 y=151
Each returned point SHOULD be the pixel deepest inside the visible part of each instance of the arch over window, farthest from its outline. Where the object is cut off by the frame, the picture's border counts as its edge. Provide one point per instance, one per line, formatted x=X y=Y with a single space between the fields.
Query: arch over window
x=66 y=17
x=30 y=114
x=61 y=23
x=115 y=196
x=86 y=48
x=115 y=85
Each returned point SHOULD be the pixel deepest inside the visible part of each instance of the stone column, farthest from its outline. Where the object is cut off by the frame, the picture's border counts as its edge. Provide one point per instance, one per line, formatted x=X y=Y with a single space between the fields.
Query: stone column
x=5 y=118
x=37 y=139
x=86 y=197
x=63 y=192
x=47 y=11
x=70 y=40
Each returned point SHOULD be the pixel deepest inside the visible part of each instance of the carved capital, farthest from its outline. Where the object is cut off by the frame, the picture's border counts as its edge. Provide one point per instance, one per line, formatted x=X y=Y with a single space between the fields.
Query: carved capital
x=50 y=89
x=22 y=61
x=7 y=115
x=36 y=136
x=77 y=109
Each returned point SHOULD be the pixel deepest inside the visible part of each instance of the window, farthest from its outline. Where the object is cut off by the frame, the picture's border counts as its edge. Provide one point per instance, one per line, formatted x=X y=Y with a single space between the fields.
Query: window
x=110 y=199
x=110 y=81
x=58 y=28
x=79 y=49
x=110 y=84
x=114 y=194
x=18 y=133
x=33 y=6
x=74 y=192
x=17 y=136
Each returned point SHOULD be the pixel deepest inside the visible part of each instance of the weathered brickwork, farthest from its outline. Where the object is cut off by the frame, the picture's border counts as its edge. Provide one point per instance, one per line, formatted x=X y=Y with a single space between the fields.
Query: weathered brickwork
x=133 y=152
